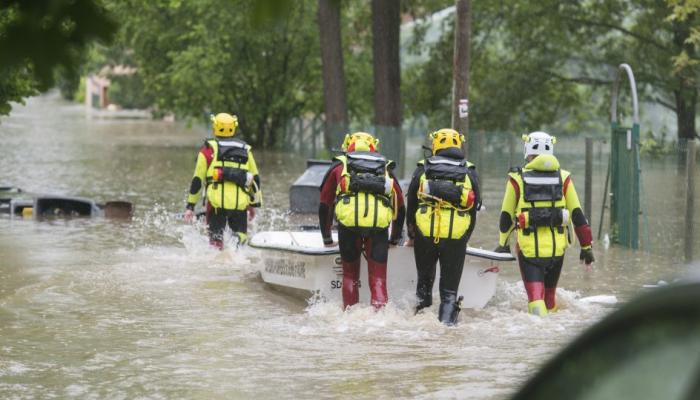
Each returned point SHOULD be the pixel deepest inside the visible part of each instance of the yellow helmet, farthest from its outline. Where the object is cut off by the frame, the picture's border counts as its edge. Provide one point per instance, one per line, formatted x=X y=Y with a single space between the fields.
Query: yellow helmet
x=446 y=138
x=360 y=141
x=224 y=125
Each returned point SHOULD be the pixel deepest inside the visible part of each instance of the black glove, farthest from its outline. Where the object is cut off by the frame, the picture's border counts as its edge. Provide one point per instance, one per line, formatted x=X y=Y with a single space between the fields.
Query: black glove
x=502 y=249
x=189 y=206
x=587 y=256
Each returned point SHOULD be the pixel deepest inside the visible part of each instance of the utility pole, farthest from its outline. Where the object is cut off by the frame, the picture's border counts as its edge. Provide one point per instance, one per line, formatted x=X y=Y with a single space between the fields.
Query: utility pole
x=460 y=69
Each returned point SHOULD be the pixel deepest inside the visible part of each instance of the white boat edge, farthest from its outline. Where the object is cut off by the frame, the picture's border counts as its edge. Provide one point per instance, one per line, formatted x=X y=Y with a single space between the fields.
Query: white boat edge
x=297 y=263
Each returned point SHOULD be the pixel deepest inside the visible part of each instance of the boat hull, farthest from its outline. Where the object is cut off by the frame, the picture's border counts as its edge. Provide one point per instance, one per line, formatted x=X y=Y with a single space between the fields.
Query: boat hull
x=299 y=264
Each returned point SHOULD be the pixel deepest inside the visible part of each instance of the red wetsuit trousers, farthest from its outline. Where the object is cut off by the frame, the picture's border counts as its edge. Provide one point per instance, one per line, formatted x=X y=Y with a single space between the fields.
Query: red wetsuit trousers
x=374 y=243
x=540 y=276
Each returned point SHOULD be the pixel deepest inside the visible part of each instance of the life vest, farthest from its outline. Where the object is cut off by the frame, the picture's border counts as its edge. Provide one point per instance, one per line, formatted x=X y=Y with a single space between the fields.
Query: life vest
x=229 y=182
x=445 y=197
x=541 y=216
x=364 y=194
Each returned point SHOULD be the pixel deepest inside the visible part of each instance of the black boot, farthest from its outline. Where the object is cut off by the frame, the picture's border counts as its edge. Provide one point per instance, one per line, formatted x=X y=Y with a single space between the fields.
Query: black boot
x=449 y=309
x=425 y=296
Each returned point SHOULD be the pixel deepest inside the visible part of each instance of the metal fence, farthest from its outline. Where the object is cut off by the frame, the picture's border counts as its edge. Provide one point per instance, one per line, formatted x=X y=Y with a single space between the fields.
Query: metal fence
x=666 y=221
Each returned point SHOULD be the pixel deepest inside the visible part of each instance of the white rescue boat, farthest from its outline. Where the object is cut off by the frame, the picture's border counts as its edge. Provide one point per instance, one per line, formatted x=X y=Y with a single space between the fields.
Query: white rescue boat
x=298 y=263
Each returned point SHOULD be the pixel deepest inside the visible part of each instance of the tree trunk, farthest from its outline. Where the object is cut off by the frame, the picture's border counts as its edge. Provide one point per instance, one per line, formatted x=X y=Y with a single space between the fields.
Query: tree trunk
x=460 y=69
x=686 y=94
x=686 y=103
x=386 y=20
x=334 y=94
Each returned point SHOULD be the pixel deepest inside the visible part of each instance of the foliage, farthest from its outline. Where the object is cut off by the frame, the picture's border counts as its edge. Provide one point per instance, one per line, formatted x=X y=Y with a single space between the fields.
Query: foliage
x=211 y=56
x=515 y=77
x=67 y=83
x=79 y=95
x=546 y=63
x=127 y=92
x=45 y=39
x=49 y=33
x=686 y=12
x=357 y=44
x=654 y=148
x=15 y=85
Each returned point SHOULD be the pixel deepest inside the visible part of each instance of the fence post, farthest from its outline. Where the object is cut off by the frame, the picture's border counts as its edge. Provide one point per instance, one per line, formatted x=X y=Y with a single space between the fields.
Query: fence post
x=689 y=198
x=314 y=133
x=480 y=143
x=588 y=195
x=511 y=151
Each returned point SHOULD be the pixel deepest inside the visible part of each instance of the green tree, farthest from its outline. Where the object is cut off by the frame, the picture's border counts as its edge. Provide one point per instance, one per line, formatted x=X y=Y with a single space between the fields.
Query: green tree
x=37 y=37
x=15 y=85
x=515 y=83
x=214 y=56
x=542 y=62
x=656 y=39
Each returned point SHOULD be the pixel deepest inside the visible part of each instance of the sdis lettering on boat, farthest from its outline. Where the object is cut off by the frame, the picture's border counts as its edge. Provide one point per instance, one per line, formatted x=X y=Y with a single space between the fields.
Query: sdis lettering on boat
x=338 y=284
x=280 y=266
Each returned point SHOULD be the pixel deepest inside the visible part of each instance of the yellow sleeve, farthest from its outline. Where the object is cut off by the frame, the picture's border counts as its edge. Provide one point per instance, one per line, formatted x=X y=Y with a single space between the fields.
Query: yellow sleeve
x=464 y=197
x=507 y=207
x=571 y=197
x=253 y=169
x=252 y=166
x=572 y=203
x=200 y=171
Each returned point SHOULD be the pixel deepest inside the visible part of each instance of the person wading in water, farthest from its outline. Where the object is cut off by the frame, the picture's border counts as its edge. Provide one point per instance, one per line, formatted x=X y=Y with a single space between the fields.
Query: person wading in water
x=540 y=202
x=365 y=197
x=443 y=198
x=227 y=167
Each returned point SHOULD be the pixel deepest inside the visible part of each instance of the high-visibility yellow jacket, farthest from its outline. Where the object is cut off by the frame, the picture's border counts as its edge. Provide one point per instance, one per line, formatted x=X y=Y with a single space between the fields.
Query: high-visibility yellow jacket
x=230 y=173
x=365 y=193
x=539 y=201
x=445 y=197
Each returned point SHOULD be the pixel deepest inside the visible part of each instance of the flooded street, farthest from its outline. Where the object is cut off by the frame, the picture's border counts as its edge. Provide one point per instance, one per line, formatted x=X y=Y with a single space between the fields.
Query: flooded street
x=104 y=309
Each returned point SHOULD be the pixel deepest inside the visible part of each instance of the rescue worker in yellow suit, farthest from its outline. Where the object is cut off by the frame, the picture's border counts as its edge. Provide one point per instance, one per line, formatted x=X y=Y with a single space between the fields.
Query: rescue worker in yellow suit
x=443 y=198
x=540 y=202
x=362 y=192
x=226 y=166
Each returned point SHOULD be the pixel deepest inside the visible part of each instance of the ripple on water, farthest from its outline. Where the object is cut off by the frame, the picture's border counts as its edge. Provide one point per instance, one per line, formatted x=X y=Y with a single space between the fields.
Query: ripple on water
x=490 y=349
x=92 y=308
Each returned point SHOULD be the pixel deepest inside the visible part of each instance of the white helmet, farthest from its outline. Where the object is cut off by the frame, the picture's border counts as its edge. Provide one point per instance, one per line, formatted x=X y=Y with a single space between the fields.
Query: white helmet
x=537 y=143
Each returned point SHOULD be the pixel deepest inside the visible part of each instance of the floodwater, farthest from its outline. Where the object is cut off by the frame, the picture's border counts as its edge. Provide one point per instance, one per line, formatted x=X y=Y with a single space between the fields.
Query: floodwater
x=102 y=309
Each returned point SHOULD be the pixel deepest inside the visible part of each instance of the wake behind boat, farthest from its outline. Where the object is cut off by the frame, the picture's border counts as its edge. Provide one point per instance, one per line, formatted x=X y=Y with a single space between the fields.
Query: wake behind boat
x=298 y=263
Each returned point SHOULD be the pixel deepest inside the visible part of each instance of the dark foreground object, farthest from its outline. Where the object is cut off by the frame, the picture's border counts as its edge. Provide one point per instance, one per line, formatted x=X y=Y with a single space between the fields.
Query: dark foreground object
x=648 y=349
